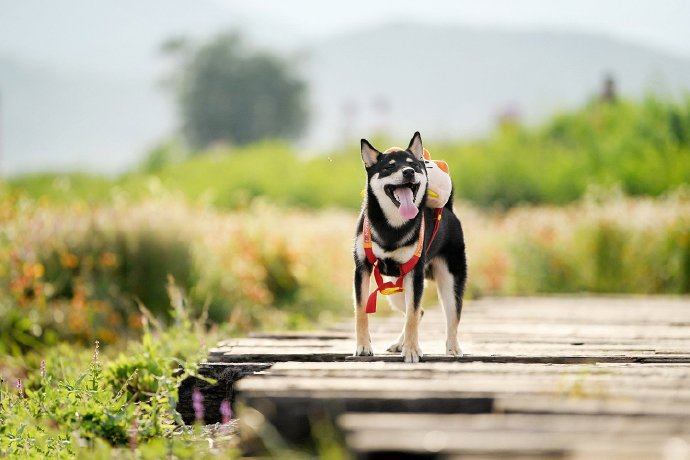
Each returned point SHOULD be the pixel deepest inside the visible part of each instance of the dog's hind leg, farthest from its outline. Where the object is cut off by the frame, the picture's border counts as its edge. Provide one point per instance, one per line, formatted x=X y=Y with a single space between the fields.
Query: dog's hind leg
x=362 y=320
x=451 y=302
x=414 y=285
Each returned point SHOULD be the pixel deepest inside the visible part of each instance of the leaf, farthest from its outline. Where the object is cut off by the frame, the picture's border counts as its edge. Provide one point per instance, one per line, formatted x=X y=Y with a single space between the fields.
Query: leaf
x=81 y=378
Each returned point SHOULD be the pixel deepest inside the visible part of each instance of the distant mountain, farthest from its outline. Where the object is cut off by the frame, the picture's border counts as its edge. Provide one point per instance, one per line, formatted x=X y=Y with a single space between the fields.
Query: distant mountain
x=455 y=81
x=78 y=78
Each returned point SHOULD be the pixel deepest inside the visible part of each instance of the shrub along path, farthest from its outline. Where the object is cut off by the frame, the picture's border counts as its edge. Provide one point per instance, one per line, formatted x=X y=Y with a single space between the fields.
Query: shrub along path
x=583 y=377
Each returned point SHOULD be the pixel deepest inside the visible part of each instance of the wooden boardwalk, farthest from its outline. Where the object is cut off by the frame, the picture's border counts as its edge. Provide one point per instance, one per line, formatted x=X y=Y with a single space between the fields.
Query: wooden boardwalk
x=554 y=377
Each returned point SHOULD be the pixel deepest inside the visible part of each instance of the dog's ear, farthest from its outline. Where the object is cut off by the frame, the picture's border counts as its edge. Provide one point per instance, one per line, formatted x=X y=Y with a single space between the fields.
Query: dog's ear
x=416 y=146
x=369 y=154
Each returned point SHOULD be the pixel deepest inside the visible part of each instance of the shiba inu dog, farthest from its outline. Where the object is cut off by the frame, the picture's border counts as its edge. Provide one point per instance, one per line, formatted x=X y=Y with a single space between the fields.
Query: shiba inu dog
x=394 y=234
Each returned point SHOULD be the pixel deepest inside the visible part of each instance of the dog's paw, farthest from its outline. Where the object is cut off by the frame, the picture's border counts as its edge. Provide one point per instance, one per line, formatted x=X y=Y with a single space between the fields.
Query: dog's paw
x=364 y=350
x=395 y=347
x=411 y=353
x=453 y=349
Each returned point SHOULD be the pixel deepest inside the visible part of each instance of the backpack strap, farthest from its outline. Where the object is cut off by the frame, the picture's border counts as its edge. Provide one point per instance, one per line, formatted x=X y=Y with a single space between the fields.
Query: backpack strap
x=389 y=287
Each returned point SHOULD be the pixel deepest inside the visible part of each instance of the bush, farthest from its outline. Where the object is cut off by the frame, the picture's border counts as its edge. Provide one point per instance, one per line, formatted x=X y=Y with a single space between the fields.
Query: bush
x=641 y=147
x=79 y=273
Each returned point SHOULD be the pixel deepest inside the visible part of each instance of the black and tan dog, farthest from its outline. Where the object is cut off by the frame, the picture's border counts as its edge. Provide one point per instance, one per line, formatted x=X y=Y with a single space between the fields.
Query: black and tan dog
x=396 y=227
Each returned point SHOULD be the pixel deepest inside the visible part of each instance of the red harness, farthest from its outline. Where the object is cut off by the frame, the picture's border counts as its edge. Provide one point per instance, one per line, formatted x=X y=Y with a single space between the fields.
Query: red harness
x=389 y=287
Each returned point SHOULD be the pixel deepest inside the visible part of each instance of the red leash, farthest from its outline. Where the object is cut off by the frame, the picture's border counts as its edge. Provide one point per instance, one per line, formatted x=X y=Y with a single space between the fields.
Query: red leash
x=389 y=287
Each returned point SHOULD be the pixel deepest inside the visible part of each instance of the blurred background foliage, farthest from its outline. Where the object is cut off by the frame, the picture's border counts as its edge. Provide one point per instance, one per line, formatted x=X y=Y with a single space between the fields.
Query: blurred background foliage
x=258 y=233
x=80 y=272
x=641 y=147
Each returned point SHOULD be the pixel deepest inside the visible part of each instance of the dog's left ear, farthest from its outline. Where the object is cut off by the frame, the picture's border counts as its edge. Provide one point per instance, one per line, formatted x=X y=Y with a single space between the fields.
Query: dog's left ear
x=416 y=146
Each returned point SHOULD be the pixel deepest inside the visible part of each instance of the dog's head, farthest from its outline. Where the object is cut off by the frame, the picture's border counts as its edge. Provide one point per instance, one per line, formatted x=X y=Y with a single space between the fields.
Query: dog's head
x=397 y=178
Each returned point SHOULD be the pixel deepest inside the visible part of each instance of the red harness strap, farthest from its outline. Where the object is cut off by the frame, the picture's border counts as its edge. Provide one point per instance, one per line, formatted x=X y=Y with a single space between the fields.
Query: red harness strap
x=389 y=287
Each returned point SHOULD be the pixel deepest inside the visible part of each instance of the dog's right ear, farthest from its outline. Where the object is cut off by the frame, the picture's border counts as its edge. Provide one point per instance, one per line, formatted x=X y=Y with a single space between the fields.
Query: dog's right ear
x=369 y=154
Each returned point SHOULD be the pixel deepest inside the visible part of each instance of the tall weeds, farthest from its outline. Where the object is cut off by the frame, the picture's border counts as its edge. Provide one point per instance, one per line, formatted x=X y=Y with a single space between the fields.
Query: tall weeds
x=605 y=243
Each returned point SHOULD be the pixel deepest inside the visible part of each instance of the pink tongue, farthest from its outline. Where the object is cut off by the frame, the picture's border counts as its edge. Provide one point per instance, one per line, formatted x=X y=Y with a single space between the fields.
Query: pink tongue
x=407 y=208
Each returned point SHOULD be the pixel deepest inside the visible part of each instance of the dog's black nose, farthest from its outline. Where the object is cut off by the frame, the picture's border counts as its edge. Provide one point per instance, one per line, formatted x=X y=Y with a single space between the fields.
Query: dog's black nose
x=408 y=173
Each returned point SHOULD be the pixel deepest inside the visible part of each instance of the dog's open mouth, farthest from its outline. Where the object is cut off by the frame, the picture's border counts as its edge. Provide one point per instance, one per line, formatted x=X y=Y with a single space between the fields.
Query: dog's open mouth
x=402 y=196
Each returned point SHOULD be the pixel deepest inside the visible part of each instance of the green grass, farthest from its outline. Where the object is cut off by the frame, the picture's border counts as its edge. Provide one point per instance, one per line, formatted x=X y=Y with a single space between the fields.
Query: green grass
x=64 y=187
x=270 y=170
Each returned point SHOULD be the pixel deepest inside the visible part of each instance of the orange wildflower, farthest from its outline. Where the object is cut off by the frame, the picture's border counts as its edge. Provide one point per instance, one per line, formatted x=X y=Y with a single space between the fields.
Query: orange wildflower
x=69 y=260
x=108 y=260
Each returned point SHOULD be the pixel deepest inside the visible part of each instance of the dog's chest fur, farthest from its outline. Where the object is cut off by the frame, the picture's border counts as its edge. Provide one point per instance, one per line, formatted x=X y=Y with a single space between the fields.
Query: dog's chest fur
x=389 y=258
x=392 y=246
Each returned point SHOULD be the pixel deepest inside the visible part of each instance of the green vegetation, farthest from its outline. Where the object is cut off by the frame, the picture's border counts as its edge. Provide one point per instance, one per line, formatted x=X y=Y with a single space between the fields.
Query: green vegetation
x=81 y=404
x=79 y=272
x=643 y=148
x=606 y=243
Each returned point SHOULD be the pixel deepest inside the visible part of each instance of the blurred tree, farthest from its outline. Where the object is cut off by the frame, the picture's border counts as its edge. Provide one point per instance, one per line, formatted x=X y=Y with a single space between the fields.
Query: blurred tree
x=229 y=93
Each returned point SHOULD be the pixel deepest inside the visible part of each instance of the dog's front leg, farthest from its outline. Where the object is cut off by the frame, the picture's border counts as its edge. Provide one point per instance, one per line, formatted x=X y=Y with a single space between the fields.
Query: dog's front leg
x=414 y=285
x=397 y=302
x=362 y=277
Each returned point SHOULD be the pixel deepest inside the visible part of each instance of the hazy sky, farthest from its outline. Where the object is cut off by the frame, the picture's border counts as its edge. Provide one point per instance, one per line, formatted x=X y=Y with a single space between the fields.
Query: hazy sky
x=663 y=24
x=81 y=76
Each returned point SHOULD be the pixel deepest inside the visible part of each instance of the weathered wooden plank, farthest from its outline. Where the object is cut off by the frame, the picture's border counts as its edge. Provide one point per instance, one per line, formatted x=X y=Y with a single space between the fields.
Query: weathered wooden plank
x=506 y=443
x=561 y=378
x=585 y=435
x=554 y=355
x=545 y=359
x=313 y=335
x=639 y=406
x=643 y=372
x=293 y=414
x=276 y=357
x=499 y=342
x=674 y=425
x=291 y=342
x=402 y=387
x=249 y=355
